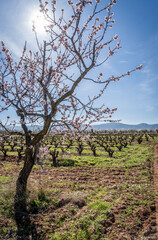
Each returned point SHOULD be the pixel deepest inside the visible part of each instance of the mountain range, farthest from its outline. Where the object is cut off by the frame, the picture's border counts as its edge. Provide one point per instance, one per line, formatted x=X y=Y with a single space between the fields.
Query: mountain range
x=119 y=126
x=107 y=126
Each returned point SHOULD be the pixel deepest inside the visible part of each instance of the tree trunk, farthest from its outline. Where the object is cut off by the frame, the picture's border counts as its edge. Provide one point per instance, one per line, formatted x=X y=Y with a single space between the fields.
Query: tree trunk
x=24 y=228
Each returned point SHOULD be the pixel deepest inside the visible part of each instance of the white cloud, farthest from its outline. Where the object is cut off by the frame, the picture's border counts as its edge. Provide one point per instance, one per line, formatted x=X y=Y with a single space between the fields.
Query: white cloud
x=146 y=70
x=111 y=69
x=149 y=79
x=129 y=52
x=146 y=87
x=123 y=61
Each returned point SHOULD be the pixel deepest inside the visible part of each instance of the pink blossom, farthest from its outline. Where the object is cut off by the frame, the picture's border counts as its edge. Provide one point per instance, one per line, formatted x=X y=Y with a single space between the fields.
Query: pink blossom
x=139 y=67
x=115 y=37
x=108 y=9
x=110 y=52
x=90 y=2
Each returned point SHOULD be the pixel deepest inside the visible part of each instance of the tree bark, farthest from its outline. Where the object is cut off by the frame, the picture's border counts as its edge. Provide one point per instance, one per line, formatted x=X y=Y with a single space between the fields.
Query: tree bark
x=24 y=227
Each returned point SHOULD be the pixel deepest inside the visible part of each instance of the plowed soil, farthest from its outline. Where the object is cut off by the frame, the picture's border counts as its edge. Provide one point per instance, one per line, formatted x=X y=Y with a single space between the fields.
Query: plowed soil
x=71 y=188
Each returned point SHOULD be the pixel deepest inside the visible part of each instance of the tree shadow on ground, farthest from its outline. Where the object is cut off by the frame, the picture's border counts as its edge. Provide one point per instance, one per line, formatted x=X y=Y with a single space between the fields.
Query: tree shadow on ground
x=25 y=229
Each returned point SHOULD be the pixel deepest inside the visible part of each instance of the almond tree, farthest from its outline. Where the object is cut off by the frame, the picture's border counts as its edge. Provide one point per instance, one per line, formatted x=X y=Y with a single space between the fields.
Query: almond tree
x=41 y=86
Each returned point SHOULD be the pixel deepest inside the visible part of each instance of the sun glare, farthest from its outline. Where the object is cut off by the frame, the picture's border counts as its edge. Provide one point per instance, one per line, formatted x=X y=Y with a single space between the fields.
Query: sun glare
x=37 y=18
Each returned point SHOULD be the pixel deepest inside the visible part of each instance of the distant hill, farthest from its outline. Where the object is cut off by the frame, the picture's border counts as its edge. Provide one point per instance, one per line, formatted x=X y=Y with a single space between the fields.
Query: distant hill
x=104 y=126
x=119 y=126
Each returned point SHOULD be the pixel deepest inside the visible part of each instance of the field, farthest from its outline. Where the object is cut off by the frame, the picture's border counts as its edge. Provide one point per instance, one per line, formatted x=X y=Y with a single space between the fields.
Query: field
x=88 y=195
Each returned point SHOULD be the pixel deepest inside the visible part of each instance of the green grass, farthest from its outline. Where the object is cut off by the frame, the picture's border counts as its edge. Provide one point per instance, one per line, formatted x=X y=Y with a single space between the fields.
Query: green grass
x=4 y=179
x=128 y=157
x=100 y=206
x=88 y=207
x=7 y=200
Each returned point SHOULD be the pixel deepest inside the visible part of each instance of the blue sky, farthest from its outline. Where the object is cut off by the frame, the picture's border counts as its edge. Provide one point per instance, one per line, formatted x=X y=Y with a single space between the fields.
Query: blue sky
x=136 y=24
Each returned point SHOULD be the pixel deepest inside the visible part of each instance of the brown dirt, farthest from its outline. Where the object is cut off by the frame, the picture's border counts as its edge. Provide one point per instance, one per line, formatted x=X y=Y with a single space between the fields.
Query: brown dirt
x=96 y=177
x=75 y=183
x=156 y=182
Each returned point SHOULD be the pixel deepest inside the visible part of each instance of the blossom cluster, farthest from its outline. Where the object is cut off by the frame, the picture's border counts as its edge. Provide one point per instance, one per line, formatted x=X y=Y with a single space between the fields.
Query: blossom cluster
x=41 y=86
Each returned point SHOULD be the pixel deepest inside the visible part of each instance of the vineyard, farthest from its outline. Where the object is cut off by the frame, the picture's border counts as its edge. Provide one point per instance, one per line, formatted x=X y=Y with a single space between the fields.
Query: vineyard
x=76 y=144
x=98 y=185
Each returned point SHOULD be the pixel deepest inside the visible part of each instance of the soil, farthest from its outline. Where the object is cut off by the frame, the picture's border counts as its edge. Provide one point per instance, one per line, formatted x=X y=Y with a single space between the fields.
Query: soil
x=113 y=179
x=156 y=182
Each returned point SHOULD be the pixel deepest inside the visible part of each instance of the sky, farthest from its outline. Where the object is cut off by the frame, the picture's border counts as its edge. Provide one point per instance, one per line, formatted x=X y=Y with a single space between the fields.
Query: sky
x=134 y=96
